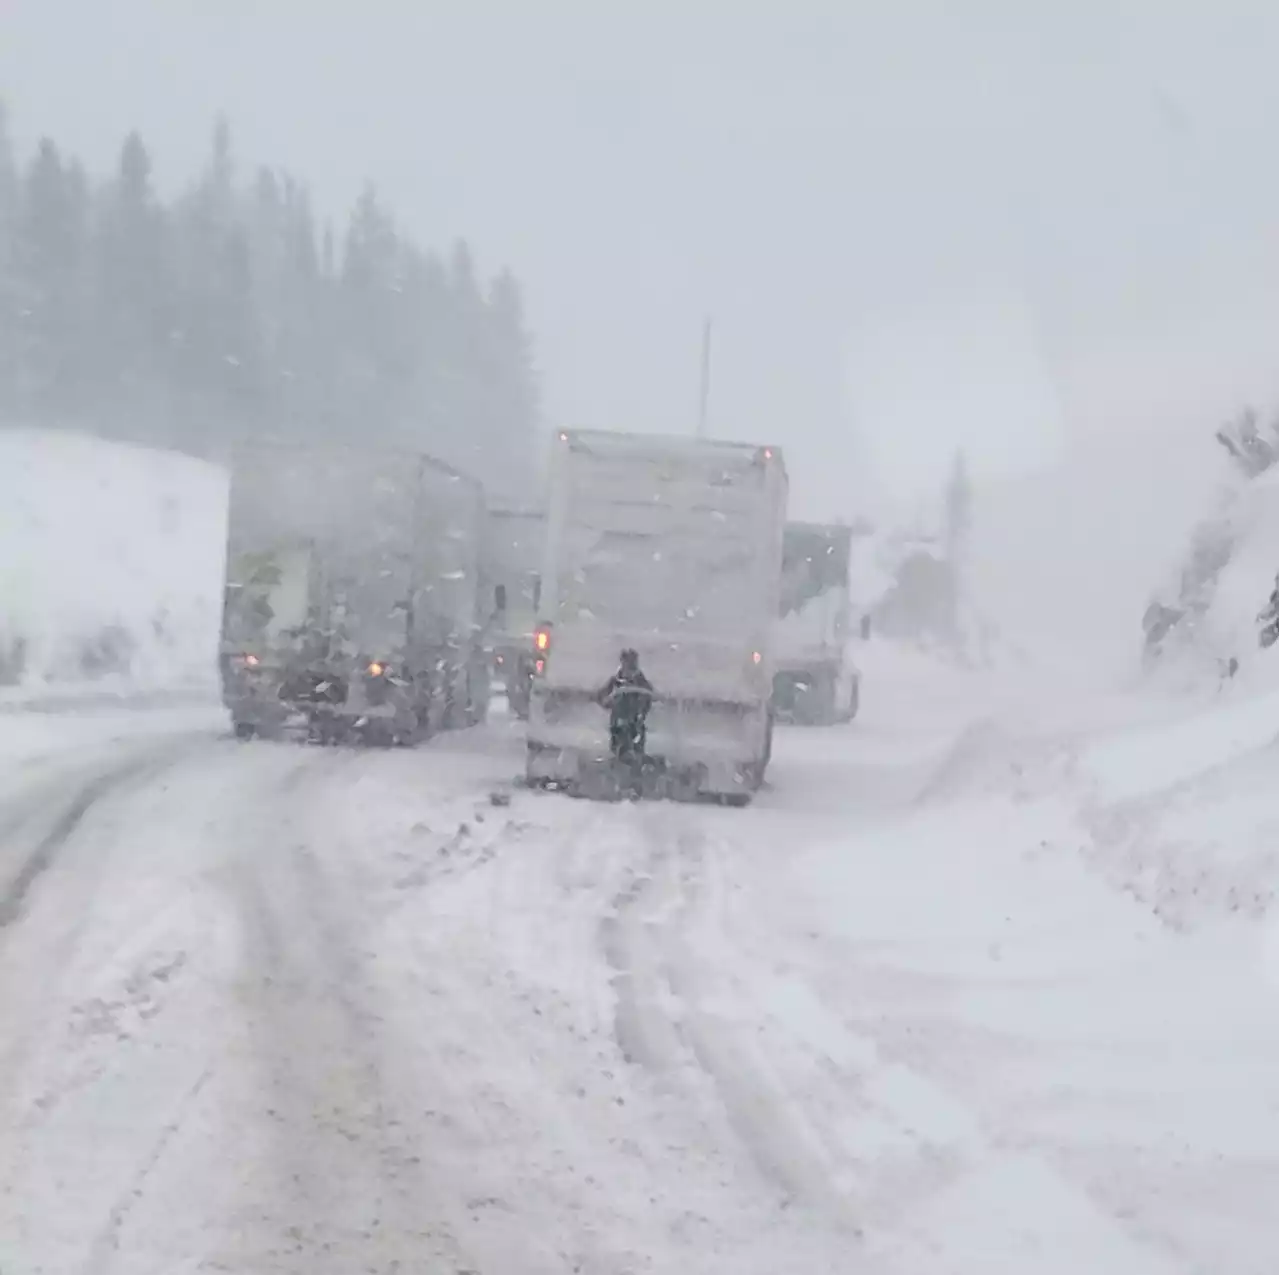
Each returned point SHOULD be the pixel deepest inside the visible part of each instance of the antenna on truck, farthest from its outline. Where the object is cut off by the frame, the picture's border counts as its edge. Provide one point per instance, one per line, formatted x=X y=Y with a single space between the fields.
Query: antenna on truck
x=704 y=394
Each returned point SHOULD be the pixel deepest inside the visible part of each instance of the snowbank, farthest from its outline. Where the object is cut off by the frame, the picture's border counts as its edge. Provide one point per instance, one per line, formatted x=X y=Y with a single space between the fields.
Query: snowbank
x=111 y=565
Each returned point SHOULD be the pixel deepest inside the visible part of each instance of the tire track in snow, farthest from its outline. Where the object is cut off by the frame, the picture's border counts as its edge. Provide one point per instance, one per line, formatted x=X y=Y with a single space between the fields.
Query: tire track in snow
x=661 y=1022
x=107 y=1242
x=348 y=1188
x=137 y=769
x=30 y=964
x=128 y=1021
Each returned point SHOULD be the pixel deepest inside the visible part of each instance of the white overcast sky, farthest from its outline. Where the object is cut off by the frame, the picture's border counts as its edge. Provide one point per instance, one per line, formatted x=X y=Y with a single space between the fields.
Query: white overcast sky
x=988 y=223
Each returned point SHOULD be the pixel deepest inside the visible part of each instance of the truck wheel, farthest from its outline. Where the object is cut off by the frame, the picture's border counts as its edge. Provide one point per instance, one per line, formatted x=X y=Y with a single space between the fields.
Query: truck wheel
x=457 y=712
x=736 y=799
x=378 y=735
x=417 y=731
x=517 y=689
x=532 y=779
x=853 y=704
x=478 y=708
x=244 y=730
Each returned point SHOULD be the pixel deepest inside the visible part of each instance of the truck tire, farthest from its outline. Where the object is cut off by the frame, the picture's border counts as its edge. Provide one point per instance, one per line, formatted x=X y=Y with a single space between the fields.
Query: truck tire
x=479 y=693
x=456 y=700
x=531 y=780
x=852 y=711
x=244 y=730
x=518 y=698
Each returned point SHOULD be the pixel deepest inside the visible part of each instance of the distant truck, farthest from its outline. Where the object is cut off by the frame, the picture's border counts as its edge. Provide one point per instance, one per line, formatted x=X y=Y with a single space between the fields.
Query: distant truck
x=352 y=600
x=513 y=564
x=672 y=547
x=816 y=680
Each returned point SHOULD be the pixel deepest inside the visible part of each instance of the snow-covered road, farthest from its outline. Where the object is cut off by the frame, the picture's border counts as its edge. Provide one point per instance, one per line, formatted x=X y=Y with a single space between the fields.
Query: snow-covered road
x=949 y=998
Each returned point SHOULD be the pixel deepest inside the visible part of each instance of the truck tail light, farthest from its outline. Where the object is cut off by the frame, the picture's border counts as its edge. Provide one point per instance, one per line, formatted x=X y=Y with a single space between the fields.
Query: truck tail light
x=756 y=657
x=541 y=648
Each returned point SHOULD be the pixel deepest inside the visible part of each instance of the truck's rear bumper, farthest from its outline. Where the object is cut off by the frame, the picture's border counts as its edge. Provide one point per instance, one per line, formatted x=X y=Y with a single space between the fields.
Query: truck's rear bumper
x=722 y=747
x=259 y=698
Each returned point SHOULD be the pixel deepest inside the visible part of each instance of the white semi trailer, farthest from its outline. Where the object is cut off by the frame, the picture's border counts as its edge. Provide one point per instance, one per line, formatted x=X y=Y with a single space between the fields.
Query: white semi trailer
x=672 y=547
x=111 y=565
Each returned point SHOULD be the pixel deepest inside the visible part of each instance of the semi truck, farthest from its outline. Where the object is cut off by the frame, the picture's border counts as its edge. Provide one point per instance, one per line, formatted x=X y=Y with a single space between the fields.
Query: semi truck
x=513 y=564
x=670 y=547
x=816 y=679
x=352 y=604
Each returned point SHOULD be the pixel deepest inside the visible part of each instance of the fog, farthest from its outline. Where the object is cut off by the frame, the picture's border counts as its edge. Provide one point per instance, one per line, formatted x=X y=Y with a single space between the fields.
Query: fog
x=916 y=226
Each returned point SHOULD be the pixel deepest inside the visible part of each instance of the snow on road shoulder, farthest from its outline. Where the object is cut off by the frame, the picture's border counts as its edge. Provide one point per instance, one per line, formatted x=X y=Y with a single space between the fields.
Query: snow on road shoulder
x=1183 y=815
x=29 y=738
x=1156 y=757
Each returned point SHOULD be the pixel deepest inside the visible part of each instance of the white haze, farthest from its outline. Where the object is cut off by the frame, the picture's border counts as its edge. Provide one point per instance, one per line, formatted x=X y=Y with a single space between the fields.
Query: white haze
x=1024 y=230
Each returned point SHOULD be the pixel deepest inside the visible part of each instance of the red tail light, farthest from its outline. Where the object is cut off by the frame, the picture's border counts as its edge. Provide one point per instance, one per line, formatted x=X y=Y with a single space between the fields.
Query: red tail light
x=541 y=648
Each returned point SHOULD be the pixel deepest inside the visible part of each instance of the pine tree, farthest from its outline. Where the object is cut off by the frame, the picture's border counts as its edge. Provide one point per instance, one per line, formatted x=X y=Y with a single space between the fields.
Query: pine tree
x=133 y=309
x=218 y=366
x=12 y=335
x=512 y=384
x=49 y=268
x=301 y=360
x=366 y=360
x=224 y=313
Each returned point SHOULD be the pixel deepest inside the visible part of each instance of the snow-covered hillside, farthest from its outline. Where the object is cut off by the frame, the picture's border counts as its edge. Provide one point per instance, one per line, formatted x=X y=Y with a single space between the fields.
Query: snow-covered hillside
x=111 y=563
x=1218 y=589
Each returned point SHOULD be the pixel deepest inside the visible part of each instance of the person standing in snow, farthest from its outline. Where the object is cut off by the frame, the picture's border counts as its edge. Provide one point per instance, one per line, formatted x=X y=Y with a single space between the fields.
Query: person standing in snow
x=628 y=695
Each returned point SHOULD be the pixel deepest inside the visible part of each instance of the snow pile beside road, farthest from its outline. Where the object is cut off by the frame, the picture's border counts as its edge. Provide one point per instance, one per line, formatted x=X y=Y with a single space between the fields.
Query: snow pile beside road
x=111 y=565
x=1182 y=813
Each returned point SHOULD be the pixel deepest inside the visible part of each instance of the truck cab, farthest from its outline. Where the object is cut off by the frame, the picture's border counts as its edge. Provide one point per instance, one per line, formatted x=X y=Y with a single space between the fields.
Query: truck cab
x=816 y=679
x=512 y=563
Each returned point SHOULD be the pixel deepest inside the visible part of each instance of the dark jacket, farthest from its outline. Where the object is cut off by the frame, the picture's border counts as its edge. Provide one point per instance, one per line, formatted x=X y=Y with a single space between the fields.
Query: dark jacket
x=628 y=695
